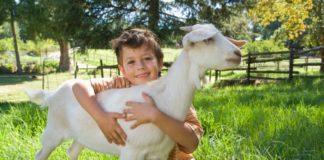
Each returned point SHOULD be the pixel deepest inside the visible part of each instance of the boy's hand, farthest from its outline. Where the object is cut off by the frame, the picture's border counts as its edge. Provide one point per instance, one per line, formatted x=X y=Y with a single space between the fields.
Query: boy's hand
x=118 y=82
x=111 y=129
x=142 y=112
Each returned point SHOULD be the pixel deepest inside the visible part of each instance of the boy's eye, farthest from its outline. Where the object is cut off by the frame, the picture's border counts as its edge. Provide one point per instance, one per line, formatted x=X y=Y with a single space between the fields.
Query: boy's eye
x=148 y=58
x=130 y=62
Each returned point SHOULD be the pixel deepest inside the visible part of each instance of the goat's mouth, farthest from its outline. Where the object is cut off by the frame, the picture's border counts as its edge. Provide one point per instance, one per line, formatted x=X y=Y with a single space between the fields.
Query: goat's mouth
x=234 y=60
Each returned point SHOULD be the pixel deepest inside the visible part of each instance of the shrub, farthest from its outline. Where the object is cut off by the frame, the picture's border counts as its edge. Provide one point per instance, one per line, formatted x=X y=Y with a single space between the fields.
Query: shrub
x=8 y=68
x=263 y=46
x=6 y=44
x=30 y=68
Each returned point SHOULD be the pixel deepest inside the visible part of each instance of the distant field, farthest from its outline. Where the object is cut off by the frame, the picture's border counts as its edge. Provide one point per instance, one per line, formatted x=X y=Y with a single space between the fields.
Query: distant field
x=272 y=121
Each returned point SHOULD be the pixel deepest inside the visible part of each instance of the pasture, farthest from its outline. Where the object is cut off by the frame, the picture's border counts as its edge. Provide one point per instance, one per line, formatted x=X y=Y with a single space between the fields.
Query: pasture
x=272 y=121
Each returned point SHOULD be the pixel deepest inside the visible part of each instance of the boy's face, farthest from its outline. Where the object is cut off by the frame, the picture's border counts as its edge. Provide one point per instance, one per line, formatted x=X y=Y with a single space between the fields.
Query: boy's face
x=139 y=65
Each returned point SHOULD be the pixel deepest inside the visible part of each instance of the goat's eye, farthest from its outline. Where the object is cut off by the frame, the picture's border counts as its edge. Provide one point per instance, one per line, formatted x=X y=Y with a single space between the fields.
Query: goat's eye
x=192 y=43
x=209 y=40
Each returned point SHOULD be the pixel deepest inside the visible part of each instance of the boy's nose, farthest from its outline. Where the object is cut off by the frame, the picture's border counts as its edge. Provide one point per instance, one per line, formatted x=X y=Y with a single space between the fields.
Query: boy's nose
x=140 y=65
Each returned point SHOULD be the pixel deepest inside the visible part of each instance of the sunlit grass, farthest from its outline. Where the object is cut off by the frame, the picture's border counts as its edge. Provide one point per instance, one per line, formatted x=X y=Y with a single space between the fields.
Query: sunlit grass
x=272 y=121
x=275 y=121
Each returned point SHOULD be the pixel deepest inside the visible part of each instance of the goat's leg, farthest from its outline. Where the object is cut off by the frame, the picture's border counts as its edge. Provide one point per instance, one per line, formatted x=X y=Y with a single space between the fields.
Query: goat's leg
x=75 y=150
x=50 y=141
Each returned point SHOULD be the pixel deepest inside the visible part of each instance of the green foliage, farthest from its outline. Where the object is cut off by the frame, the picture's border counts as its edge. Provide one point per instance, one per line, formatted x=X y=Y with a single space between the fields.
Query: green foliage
x=292 y=14
x=51 y=66
x=263 y=46
x=36 y=47
x=6 y=45
x=7 y=68
x=30 y=67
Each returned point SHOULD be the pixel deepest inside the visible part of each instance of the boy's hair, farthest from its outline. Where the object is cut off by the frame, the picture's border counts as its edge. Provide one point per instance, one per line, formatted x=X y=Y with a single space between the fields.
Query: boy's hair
x=135 y=38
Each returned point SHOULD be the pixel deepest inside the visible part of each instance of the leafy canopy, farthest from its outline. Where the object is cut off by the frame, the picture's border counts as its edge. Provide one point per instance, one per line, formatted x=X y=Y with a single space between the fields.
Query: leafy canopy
x=291 y=13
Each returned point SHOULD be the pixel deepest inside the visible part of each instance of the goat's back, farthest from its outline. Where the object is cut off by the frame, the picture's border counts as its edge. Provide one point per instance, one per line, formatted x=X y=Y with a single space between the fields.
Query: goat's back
x=65 y=113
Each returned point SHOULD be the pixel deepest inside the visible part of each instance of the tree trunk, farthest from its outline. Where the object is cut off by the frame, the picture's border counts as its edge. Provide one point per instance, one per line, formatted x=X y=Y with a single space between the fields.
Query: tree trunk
x=64 y=57
x=12 y=23
x=153 y=15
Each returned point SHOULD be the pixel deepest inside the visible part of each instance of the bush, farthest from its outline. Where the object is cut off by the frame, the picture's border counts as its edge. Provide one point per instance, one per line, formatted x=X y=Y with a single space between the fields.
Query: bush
x=8 y=68
x=30 y=68
x=6 y=44
x=51 y=66
x=263 y=46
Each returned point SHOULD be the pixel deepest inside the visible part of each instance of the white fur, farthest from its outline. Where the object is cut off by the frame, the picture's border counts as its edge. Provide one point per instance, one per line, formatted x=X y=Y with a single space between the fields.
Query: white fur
x=172 y=94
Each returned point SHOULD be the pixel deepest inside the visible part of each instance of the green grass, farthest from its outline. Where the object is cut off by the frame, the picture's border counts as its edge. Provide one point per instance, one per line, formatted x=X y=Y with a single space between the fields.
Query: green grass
x=273 y=121
x=21 y=127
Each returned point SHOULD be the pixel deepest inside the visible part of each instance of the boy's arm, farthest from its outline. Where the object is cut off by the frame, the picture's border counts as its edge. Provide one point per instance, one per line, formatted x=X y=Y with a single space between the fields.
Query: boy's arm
x=182 y=133
x=107 y=121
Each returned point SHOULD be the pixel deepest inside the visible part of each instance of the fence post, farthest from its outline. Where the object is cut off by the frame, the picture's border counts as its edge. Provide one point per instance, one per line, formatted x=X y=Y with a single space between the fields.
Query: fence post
x=291 y=63
x=101 y=68
x=216 y=75
x=76 y=70
x=210 y=73
x=248 y=67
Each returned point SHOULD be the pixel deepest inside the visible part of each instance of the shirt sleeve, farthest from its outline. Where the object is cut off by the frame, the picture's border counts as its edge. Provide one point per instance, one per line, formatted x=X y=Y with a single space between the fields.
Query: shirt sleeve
x=191 y=121
x=100 y=84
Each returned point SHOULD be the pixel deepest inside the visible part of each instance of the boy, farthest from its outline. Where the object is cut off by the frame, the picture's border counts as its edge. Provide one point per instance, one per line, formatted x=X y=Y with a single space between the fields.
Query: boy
x=140 y=60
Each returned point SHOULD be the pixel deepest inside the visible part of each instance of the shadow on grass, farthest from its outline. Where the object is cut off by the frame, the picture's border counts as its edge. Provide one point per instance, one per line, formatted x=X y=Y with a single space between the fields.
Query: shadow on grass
x=15 y=79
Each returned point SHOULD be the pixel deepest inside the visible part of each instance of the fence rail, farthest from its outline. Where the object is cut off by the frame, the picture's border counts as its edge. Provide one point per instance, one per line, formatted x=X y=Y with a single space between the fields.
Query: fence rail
x=253 y=61
x=292 y=55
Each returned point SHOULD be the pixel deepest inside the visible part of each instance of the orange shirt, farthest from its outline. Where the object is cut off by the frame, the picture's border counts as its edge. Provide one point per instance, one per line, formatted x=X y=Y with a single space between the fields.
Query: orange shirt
x=191 y=120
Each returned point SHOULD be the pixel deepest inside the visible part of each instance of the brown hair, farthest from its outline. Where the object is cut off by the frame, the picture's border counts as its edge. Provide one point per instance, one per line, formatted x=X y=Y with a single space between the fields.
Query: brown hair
x=135 y=38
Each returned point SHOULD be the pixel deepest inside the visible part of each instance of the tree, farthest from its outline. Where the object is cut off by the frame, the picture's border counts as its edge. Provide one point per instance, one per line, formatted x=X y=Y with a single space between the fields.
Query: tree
x=296 y=18
x=316 y=28
x=292 y=14
x=53 y=19
x=8 y=13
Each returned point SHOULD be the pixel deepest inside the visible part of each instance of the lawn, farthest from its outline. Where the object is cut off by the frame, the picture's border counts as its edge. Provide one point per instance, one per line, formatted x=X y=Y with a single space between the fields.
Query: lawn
x=272 y=121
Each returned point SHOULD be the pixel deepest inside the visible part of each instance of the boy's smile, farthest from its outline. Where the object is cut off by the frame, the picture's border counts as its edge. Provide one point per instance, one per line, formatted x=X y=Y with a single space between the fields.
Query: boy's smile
x=139 y=65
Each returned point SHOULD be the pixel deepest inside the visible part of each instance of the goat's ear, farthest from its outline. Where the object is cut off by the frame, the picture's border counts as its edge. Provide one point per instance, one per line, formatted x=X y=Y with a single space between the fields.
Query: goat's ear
x=197 y=36
x=186 y=28
x=238 y=43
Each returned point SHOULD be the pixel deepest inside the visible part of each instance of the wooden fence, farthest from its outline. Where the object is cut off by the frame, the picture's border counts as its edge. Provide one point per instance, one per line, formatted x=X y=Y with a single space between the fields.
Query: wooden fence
x=256 y=65
x=277 y=57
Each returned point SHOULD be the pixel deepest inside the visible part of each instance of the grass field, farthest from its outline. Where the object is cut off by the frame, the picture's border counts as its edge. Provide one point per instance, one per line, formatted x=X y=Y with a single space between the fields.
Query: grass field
x=273 y=121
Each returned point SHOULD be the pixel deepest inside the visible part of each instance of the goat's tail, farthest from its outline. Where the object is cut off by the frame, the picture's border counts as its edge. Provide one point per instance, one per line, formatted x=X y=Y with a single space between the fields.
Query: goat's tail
x=38 y=96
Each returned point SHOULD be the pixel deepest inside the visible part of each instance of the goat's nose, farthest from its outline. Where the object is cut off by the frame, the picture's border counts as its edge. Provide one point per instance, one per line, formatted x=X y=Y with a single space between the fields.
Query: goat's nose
x=238 y=53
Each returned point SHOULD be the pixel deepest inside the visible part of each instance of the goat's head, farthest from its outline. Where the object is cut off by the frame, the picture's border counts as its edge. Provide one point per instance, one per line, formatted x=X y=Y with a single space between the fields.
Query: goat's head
x=208 y=48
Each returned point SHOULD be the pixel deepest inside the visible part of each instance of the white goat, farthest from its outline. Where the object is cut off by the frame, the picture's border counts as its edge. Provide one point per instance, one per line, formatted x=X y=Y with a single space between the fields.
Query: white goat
x=204 y=48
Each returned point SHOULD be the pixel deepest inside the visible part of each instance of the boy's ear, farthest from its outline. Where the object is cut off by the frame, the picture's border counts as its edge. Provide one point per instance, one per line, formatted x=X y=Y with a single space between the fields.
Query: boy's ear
x=161 y=64
x=121 y=69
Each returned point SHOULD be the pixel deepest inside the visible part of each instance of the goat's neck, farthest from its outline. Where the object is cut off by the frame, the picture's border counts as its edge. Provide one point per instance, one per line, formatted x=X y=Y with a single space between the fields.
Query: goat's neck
x=180 y=87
